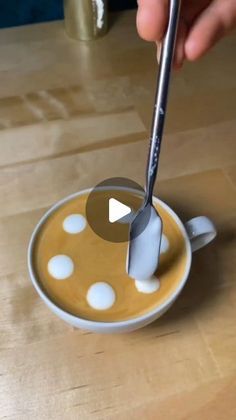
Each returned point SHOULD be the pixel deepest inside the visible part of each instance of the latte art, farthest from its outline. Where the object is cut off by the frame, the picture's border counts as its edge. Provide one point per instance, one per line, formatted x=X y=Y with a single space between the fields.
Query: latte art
x=60 y=267
x=101 y=296
x=147 y=286
x=74 y=223
x=85 y=275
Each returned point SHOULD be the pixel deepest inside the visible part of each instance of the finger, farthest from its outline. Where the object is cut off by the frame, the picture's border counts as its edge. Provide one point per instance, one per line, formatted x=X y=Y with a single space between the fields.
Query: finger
x=179 y=55
x=209 y=27
x=152 y=19
x=180 y=43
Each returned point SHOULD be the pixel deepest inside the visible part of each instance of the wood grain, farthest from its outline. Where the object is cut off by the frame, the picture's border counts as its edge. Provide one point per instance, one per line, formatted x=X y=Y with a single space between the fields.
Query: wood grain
x=72 y=114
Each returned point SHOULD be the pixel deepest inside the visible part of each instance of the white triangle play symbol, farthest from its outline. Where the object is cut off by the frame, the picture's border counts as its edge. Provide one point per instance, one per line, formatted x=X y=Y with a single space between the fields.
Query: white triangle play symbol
x=117 y=210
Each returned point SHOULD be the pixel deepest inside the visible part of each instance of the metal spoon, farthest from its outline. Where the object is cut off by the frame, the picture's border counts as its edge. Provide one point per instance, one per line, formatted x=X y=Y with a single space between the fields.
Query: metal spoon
x=145 y=237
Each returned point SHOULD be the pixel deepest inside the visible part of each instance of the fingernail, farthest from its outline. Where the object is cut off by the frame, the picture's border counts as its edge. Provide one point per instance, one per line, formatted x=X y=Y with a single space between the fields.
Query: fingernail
x=190 y=47
x=179 y=60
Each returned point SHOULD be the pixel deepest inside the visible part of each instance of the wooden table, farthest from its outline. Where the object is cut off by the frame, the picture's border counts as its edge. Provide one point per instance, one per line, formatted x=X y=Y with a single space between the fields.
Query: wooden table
x=65 y=106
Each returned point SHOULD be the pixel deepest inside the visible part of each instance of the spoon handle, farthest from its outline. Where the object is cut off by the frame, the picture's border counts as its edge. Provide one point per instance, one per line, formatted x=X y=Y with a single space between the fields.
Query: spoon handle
x=163 y=79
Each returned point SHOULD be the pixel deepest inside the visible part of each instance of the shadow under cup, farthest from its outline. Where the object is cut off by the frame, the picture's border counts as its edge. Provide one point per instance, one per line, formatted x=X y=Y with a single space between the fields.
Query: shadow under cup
x=96 y=260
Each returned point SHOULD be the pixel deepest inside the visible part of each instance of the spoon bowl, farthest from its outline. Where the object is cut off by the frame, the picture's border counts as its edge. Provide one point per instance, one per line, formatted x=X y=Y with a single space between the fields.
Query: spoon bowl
x=144 y=245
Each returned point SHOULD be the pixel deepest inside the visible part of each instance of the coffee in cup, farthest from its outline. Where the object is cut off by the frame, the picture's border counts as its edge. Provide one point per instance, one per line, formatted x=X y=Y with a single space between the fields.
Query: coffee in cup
x=85 y=275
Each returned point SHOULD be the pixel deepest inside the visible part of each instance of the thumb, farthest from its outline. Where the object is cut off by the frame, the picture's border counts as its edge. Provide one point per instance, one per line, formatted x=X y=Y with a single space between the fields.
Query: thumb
x=152 y=19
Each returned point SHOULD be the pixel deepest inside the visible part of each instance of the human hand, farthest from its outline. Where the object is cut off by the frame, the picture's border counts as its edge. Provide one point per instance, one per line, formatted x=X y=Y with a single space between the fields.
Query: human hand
x=202 y=23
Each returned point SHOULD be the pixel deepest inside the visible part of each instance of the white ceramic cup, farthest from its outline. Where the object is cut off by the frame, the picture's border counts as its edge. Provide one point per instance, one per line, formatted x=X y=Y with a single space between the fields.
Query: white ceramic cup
x=197 y=233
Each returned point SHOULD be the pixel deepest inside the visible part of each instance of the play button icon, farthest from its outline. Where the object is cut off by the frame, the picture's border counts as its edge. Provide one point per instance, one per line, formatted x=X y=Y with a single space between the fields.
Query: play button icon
x=111 y=206
x=117 y=210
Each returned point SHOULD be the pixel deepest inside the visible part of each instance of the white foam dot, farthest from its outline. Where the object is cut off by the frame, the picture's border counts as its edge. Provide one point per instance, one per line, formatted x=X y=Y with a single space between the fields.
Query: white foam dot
x=148 y=286
x=60 y=267
x=164 y=244
x=74 y=223
x=101 y=296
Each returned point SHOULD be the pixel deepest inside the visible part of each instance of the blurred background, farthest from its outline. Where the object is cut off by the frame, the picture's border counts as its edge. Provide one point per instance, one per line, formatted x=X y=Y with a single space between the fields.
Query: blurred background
x=32 y=11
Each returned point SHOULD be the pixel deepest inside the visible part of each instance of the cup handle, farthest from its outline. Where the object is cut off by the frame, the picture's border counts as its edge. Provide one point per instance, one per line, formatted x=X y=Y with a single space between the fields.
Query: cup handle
x=200 y=231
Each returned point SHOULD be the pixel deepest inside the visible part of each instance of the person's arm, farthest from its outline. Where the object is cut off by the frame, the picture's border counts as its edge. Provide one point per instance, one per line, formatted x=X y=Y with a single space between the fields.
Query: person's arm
x=202 y=24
